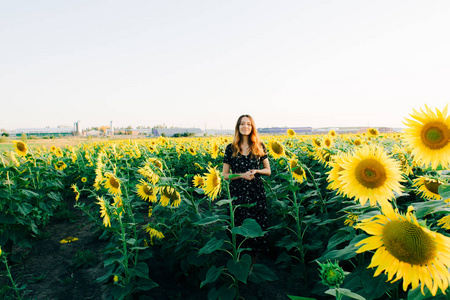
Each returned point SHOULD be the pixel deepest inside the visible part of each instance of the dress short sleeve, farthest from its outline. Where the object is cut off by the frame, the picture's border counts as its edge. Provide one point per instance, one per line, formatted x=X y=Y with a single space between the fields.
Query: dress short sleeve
x=228 y=154
x=265 y=152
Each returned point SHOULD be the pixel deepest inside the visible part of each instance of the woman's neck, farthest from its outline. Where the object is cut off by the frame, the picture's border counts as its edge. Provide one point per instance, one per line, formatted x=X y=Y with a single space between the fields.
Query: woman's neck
x=244 y=140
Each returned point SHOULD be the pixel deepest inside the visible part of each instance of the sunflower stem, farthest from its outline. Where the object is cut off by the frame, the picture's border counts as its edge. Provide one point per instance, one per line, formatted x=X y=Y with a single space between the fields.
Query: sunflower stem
x=14 y=286
x=322 y=207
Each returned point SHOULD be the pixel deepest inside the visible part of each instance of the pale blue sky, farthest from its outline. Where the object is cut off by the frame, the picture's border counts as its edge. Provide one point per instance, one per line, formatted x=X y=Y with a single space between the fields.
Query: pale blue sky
x=204 y=63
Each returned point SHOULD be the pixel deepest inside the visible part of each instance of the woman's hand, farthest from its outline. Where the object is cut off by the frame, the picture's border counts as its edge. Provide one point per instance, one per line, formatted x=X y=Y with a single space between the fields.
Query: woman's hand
x=249 y=175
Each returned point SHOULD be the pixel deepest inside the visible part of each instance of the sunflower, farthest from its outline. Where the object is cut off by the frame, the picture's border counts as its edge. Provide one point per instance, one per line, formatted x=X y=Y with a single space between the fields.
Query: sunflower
x=169 y=195
x=83 y=179
x=357 y=142
x=276 y=149
x=428 y=135
x=148 y=172
x=21 y=148
x=444 y=222
x=198 y=181
x=334 y=175
x=215 y=151
x=317 y=142
x=291 y=133
x=58 y=152
x=153 y=233
x=192 y=151
x=197 y=166
x=402 y=157
x=13 y=159
x=118 y=203
x=351 y=219
x=372 y=132
x=146 y=192
x=60 y=165
x=212 y=183
x=332 y=133
x=297 y=170
x=76 y=191
x=327 y=141
x=156 y=162
x=369 y=174
x=428 y=187
x=407 y=249
x=112 y=183
x=104 y=212
x=69 y=239
x=324 y=155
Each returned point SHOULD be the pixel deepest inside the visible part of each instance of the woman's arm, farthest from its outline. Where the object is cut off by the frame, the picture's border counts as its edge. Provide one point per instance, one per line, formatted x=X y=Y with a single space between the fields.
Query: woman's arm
x=226 y=172
x=265 y=170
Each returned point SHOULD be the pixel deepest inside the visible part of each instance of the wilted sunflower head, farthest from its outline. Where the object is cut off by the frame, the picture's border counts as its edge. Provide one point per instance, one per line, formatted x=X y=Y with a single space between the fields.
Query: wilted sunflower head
x=428 y=135
x=21 y=148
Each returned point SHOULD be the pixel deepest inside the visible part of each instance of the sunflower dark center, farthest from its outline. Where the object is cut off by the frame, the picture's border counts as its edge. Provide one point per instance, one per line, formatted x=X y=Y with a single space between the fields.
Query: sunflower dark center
x=432 y=186
x=435 y=135
x=21 y=146
x=148 y=190
x=299 y=171
x=114 y=182
x=408 y=242
x=370 y=173
x=277 y=148
x=171 y=194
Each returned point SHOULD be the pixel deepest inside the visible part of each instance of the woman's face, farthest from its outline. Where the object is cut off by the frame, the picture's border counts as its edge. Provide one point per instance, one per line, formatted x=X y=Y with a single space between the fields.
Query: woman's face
x=245 y=128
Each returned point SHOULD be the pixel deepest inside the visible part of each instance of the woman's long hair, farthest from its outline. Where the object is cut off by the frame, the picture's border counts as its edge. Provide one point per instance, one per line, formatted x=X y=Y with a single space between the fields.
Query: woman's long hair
x=256 y=148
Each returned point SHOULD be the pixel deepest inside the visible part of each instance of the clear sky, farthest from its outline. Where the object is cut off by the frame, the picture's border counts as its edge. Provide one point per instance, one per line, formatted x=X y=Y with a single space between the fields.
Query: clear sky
x=203 y=63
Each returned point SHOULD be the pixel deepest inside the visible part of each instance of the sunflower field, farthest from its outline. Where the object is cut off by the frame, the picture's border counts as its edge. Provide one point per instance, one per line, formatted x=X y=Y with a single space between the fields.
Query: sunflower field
x=352 y=216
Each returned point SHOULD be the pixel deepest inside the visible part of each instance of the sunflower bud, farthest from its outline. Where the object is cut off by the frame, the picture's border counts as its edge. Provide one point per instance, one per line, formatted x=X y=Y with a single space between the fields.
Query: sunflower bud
x=331 y=274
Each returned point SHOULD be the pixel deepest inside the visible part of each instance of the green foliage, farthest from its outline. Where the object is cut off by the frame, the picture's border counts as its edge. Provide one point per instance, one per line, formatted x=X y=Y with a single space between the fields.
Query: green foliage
x=84 y=259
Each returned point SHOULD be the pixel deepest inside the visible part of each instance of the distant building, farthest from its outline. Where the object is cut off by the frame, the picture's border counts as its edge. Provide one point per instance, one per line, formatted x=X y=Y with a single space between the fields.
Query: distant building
x=169 y=132
x=92 y=133
x=56 y=132
x=283 y=130
x=219 y=132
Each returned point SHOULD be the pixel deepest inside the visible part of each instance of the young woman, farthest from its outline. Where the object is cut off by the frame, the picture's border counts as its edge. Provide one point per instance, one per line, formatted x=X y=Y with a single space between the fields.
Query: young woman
x=246 y=156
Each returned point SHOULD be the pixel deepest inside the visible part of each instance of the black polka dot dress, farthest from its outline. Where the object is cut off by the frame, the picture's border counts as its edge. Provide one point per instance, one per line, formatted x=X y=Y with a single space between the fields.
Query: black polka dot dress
x=248 y=192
